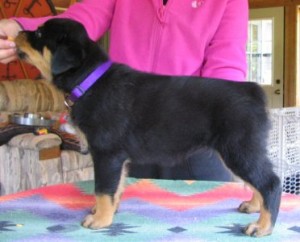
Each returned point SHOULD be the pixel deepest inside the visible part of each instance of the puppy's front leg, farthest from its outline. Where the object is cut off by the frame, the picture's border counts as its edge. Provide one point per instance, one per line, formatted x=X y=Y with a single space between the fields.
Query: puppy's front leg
x=110 y=175
x=104 y=212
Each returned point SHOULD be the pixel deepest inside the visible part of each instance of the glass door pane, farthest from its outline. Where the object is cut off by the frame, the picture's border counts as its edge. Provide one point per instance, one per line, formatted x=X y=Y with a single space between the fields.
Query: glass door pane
x=259 y=51
x=265 y=52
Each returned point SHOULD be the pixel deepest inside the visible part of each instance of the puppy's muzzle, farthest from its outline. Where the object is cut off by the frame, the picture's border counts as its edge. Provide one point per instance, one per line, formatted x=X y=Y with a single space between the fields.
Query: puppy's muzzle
x=21 y=43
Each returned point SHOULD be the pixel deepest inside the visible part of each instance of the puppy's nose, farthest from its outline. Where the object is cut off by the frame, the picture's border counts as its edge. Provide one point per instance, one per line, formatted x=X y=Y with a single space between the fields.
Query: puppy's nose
x=21 y=54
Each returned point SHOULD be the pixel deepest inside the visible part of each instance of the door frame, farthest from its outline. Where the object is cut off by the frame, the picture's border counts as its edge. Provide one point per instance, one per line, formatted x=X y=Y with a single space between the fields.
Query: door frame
x=277 y=14
x=290 y=46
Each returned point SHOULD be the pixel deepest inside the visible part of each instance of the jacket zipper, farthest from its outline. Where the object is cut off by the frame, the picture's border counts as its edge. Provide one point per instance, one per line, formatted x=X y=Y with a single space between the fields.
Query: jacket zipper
x=158 y=32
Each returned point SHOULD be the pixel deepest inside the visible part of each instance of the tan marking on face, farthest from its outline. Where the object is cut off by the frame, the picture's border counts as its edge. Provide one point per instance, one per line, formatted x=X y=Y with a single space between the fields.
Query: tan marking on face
x=40 y=60
x=47 y=56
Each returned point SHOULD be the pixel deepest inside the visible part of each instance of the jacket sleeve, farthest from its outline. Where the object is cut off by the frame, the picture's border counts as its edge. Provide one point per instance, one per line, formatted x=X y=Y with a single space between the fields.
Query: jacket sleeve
x=95 y=15
x=225 y=55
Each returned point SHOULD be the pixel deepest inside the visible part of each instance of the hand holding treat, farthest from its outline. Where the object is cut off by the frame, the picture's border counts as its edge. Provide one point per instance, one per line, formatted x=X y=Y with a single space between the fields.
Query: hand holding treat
x=8 y=30
x=9 y=38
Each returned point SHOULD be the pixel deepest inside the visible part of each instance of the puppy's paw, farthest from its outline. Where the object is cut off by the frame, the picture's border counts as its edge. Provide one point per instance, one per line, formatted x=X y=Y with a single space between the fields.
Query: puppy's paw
x=256 y=230
x=248 y=207
x=94 y=210
x=94 y=221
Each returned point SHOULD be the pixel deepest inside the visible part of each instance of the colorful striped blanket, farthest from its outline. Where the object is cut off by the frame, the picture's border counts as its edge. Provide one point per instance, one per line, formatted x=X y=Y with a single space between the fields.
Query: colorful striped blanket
x=151 y=210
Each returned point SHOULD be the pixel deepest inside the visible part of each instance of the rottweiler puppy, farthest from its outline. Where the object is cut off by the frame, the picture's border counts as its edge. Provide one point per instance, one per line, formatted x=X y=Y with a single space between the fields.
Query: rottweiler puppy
x=132 y=116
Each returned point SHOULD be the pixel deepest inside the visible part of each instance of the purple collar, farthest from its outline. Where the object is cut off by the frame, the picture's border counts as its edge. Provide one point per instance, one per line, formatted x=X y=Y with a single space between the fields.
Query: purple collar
x=79 y=90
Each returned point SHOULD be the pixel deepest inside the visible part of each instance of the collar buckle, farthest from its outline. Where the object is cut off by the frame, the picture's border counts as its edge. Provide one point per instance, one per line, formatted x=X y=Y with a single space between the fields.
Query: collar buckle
x=68 y=102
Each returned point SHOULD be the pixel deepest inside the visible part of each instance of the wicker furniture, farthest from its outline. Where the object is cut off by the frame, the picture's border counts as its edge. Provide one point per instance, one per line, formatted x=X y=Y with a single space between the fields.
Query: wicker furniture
x=28 y=161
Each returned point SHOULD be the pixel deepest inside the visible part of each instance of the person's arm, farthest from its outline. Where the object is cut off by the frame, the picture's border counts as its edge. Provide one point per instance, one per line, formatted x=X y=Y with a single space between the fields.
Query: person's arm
x=225 y=56
x=95 y=15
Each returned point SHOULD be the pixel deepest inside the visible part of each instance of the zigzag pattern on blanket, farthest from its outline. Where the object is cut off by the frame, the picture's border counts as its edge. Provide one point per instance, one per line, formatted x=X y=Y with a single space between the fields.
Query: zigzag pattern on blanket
x=150 y=210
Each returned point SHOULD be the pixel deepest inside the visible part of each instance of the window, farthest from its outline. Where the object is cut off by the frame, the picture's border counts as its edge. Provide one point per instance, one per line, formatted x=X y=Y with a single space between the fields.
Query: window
x=259 y=51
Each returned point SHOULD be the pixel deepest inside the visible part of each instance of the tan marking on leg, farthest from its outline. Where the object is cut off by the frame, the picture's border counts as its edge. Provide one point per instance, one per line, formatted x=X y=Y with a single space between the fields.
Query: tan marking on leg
x=263 y=226
x=265 y=222
x=252 y=206
x=103 y=217
x=106 y=206
x=120 y=189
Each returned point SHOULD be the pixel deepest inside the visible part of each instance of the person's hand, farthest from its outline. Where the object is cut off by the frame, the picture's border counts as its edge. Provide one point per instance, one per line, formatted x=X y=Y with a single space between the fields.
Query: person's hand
x=8 y=31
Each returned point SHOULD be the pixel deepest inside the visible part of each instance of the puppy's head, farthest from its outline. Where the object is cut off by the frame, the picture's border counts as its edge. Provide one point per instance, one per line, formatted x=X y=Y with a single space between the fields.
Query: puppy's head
x=58 y=46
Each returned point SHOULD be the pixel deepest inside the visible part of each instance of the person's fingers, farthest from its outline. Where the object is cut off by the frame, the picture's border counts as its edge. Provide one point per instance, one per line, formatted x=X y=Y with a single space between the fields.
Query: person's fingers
x=6 y=42
x=7 y=55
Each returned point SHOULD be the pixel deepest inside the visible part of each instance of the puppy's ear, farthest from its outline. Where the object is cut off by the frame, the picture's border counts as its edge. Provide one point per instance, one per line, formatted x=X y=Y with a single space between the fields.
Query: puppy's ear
x=66 y=58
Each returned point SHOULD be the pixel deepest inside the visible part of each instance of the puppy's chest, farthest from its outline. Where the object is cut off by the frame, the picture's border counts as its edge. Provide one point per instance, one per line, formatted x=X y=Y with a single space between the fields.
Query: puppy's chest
x=97 y=119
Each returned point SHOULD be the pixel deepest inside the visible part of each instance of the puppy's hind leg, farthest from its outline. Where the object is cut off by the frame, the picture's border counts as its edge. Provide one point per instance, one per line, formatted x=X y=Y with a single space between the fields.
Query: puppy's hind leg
x=252 y=206
x=255 y=169
x=110 y=173
x=268 y=194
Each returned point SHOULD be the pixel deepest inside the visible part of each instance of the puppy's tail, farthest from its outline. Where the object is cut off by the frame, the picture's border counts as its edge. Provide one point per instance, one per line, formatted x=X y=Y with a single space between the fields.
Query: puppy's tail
x=258 y=94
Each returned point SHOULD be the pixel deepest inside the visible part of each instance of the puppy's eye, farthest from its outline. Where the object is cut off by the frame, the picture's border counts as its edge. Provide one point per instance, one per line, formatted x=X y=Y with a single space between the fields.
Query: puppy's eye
x=38 y=33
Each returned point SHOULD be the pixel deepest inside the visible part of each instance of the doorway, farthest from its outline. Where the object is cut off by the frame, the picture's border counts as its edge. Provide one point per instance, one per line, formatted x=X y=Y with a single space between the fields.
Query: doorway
x=265 y=52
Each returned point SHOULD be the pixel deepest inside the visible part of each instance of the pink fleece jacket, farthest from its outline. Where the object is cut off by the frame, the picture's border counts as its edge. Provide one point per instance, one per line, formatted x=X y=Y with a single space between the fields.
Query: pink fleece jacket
x=186 y=37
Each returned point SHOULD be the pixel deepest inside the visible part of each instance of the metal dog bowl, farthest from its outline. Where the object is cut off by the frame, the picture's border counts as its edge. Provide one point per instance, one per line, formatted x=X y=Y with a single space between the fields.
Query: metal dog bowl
x=31 y=119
